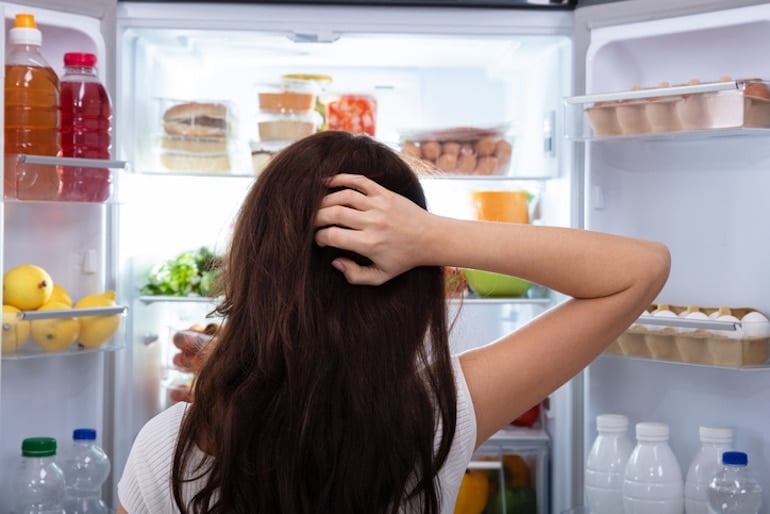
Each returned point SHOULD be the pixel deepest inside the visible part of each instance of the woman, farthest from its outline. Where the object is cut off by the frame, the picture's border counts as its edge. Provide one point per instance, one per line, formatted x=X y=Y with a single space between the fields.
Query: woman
x=331 y=387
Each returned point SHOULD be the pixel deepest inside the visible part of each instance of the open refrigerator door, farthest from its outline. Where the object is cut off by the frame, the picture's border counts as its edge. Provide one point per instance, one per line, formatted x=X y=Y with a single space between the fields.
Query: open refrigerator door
x=471 y=96
x=672 y=131
x=55 y=375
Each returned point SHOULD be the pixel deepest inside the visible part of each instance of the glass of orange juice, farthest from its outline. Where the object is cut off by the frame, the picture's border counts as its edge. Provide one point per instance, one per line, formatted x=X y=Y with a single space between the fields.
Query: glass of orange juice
x=508 y=206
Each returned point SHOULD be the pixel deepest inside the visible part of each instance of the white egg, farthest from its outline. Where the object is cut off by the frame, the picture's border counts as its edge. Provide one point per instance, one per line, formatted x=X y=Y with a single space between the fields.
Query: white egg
x=755 y=324
x=661 y=312
x=730 y=334
x=693 y=313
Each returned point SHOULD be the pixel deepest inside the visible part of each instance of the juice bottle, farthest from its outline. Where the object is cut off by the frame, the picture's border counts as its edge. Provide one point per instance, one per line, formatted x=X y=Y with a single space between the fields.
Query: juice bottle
x=85 y=114
x=31 y=114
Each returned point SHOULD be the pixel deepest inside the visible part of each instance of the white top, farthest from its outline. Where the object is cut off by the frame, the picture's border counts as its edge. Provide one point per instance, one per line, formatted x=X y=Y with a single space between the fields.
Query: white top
x=145 y=486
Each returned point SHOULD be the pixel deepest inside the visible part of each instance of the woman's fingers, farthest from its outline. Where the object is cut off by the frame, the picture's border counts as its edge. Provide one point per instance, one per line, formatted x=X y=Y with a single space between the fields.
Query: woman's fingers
x=360 y=275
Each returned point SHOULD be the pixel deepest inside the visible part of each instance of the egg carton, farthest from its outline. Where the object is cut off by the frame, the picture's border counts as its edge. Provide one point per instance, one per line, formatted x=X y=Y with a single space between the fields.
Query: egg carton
x=723 y=336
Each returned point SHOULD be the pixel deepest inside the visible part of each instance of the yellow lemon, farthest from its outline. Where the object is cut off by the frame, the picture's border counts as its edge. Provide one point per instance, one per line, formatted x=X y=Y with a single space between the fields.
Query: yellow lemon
x=15 y=330
x=60 y=295
x=27 y=287
x=97 y=330
x=57 y=334
x=473 y=494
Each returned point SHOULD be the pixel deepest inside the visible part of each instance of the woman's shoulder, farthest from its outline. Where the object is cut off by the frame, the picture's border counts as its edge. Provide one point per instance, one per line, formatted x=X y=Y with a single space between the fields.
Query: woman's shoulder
x=160 y=432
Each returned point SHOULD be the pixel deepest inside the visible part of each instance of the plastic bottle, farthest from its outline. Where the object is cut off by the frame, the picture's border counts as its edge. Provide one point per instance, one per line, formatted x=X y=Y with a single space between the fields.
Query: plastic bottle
x=606 y=465
x=714 y=442
x=653 y=478
x=86 y=467
x=31 y=114
x=39 y=481
x=733 y=490
x=85 y=114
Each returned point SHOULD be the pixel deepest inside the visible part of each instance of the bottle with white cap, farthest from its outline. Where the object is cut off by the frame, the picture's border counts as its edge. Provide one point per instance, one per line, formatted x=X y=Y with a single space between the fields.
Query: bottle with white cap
x=715 y=441
x=606 y=465
x=653 y=478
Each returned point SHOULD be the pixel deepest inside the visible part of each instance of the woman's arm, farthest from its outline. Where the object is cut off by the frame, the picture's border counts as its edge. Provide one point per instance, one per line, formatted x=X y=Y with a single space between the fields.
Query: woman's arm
x=611 y=280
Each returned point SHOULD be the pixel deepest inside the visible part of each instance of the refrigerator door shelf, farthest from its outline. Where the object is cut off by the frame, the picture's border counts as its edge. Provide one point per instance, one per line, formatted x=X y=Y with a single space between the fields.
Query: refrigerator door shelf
x=694 y=111
x=147 y=300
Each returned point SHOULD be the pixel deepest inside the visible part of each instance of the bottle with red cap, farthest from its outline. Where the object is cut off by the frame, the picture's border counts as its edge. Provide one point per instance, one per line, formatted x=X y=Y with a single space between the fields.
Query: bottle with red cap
x=31 y=114
x=85 y=132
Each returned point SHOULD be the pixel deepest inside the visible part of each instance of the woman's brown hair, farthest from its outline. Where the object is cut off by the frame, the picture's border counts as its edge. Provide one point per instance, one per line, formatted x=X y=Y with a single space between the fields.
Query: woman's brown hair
x=319 y=396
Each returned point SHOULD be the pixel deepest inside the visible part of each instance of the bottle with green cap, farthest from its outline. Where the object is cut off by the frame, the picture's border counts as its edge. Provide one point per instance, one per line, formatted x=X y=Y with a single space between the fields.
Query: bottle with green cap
x=39 y=481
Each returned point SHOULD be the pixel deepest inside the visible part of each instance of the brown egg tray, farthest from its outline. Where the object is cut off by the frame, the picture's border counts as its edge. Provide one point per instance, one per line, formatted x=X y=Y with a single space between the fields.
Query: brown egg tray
x=698 y=346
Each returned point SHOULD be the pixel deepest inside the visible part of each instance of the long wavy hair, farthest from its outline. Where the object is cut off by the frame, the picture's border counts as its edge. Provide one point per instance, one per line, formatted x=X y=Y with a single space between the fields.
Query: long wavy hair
x=319 y=396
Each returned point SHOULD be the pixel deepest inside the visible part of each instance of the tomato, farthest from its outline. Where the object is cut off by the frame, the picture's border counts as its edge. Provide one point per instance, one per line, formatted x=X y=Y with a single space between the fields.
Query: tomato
x=352 y=113
x=529 y=418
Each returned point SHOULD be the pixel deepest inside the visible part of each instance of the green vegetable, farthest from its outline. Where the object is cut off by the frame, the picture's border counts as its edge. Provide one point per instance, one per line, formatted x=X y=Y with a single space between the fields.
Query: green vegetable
x=191 y=273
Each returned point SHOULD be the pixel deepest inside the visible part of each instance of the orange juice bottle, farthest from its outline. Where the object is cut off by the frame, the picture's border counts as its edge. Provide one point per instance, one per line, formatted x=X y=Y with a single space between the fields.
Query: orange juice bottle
x=31 y=114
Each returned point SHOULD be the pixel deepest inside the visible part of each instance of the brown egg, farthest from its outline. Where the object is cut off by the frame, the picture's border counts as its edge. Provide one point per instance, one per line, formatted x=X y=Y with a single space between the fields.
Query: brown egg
x=486 y=146
x=410 y=149
x=430 y=150
x=446 y=162
x=466 y=163
x=451 y=148
x=486 y=166
x=467 y=149
x=503 y=150
x=757 y=89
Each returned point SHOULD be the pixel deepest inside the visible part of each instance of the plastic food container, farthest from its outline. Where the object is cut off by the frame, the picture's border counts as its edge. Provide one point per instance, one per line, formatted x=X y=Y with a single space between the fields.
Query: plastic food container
x=461 y=150
x=290 y=96
x=262 y=152
x=485 y=283
x=350 y=112
x=738 y=339
x=288 y=126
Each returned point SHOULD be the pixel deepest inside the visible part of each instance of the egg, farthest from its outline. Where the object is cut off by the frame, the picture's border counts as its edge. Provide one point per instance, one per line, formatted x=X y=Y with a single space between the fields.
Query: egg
x=692 y=313
x=730 y=334
x=755 y=324
x=663 y=311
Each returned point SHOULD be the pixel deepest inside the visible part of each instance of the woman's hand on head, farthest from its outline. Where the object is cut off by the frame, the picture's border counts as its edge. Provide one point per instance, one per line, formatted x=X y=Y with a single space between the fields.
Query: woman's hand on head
x=370 y=220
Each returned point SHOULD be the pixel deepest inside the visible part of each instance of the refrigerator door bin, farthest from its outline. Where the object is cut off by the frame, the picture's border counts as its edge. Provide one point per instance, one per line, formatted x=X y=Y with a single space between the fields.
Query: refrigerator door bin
x=727 y=337
x=694 y=110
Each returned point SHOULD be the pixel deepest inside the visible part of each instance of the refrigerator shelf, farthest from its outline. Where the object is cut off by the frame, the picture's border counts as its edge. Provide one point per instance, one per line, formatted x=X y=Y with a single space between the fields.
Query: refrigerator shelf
x=148 y=300
x=699 y=110
x=32 y=351
x=743 y=369
x=676 y=137
x=71 y=313
x=527 y=436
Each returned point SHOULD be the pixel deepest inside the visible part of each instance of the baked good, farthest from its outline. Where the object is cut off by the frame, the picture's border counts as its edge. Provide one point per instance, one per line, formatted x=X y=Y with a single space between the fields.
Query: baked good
x=192 y=163
x=196 y=119
x=193 y=145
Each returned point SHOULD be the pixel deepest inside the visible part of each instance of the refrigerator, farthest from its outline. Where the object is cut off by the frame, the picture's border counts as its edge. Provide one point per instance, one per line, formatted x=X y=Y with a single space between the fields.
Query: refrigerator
x=530 y=74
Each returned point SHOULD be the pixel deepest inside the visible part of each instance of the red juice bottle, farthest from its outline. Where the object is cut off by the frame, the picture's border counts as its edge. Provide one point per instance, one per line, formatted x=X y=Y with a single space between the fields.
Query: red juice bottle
x=85 y=114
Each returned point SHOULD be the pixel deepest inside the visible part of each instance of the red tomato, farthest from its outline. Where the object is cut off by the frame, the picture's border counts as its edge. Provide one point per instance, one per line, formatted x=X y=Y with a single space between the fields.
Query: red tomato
x=529 y=417
x=352 y=113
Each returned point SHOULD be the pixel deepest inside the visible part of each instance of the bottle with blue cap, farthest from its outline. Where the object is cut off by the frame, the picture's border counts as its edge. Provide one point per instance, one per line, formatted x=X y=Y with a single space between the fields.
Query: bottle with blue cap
x=733 y=490
x=39 y=481
x=86 y=467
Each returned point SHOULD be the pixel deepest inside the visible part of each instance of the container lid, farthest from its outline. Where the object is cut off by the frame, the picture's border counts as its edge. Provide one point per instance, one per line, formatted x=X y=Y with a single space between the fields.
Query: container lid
x=321 y=79
x=38 y=447
x=714 y=434
x=84 y=434
x=611 y=423
x=25 y=31
x=735 y=458
x=79 y=59
x=652 y=431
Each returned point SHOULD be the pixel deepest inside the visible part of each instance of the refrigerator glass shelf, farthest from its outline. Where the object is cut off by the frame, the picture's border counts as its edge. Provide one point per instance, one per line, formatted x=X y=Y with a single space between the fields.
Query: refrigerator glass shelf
x=32 y=351
x=147 y=300
x=224 y=174
x=501 y=301
x=72 y=313
x=513 y=434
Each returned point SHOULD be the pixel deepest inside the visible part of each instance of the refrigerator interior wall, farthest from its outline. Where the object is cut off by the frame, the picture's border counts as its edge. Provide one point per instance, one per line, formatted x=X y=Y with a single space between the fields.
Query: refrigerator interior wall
x=53 y=394
x=702 y=196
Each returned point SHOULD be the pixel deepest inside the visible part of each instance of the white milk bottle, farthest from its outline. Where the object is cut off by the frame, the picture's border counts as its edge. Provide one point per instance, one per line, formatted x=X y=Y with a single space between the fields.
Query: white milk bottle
x=653 y=478
x=714 y=442
x=606 y=464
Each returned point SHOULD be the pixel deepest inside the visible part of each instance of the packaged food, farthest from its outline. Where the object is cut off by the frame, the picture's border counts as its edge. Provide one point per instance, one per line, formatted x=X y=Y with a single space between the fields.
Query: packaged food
x=288 y=127
x=461 y=150
x=352 y=113
x=322 y=82
x=290 y=95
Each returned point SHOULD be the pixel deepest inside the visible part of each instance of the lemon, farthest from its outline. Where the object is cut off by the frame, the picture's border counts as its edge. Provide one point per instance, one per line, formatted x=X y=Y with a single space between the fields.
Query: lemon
x=15 y=330
x=97 y=330
x=27 y=287
x=55 y=335
x=60 y=295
